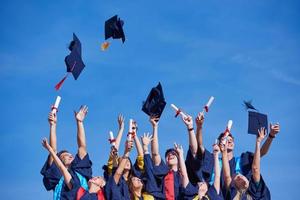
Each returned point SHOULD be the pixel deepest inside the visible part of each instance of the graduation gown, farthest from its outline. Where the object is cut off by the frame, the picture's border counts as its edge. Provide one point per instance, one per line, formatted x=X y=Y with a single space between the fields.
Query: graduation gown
x=258 y=191
x=114 y=191
x=155 y=184
x=190 y=192
x=52 y=176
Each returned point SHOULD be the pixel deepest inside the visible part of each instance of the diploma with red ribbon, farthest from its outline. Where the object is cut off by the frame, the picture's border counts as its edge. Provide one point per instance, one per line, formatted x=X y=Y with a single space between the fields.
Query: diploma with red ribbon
x=54 y=108
x=178 y=111
x=111 y=139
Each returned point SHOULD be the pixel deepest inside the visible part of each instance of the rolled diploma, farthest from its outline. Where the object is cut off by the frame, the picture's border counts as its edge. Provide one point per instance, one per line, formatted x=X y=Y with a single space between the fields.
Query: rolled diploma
x=211 y=99
x=176 y=109
x=130 y=130
x=228 y=128
x=56 y=104
x=111 y=137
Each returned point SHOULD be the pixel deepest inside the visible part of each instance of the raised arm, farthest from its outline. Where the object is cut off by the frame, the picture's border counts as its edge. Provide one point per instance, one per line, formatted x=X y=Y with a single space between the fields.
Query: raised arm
x=184 y=176
x=52 y=119
x=64 y=171
x=122 y=164
x=188 y=121
x=226 y=167
x=154 y=144
x=256 y=159
x=80 y=116
x=121 y=120
x=146 y=139
x=274 y=130
x=216 y=150
x=137 y=142
x=199 y=123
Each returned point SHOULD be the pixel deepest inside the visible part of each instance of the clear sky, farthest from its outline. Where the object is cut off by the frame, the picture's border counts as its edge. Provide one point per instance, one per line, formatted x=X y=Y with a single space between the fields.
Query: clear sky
x=233 y=50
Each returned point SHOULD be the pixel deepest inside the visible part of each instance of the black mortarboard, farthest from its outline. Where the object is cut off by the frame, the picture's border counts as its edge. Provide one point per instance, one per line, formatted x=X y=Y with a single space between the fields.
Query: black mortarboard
x=248 y=105
x=155 y=102
x=73 y=61
x=114 y=28
x=257 y=120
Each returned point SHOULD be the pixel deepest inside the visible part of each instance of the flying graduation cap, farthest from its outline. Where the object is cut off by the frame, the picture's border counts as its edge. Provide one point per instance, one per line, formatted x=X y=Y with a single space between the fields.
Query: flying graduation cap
x=256 y=120
x=113 y=28
x=155 y=102
x=73 y=61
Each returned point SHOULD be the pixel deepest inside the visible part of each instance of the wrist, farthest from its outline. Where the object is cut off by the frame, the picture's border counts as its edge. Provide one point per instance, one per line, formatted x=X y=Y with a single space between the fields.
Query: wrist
x=272 y=136
x=190 y=128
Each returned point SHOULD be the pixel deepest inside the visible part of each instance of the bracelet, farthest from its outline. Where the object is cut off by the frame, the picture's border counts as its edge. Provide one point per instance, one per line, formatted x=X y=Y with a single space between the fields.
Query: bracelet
x=271 y=136
x=190 y=129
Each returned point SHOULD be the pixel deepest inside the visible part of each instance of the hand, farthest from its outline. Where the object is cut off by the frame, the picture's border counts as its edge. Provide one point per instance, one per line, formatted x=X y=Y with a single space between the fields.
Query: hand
x=216 y=149
x=154 y=121
x=261 y=134
x=134 y=127
x=200 y=120
x=146 y=139
x=113 y=152
x=179 y=150
x=46 y=144
x=81 y=114
x=121 y=120
x=128 y=146
x=52 y=119
x=274 y=129
x=223 y=145
x=188 y=121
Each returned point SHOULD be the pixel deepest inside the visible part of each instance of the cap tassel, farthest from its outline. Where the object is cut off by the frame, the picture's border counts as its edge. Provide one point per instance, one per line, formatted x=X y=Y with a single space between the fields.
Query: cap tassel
x=104 y=46
x=58 y=85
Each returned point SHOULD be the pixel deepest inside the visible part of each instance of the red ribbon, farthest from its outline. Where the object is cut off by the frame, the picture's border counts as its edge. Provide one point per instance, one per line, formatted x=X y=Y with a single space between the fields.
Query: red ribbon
x=54 y=108
x=132 y=134
x=206 y=108
x=178 y=112
x=111 y=140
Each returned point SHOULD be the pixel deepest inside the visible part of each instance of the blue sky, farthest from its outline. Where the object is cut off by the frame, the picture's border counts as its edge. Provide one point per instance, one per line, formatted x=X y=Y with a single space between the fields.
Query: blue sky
x=233 y=50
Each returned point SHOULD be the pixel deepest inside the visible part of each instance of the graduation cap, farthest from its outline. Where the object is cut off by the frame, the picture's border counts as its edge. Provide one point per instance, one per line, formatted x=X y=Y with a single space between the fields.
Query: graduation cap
x=248 y=105
x=256 y=121
x=113 y=28
x=73 y=61
x=155 y=102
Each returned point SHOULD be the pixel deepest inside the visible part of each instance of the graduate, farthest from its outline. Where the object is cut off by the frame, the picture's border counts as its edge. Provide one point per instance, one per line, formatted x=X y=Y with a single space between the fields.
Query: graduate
x=163 y=179
x=240 y=187
x=241 y=164
x=116 y=187
x=95 y=185
x=202 y=191
x=79 y=167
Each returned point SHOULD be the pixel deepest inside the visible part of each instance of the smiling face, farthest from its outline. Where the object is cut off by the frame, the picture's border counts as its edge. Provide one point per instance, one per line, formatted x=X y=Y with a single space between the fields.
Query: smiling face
x=171 y=158
x=136 y=183
x=66 y=158
x=96 y=181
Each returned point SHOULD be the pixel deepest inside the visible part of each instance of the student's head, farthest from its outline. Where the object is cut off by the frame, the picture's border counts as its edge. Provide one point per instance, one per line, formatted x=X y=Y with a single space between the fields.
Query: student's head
x=230 y=141
x=202 y=188
x=135 y=183
x=65 y=157
x=241 y=183
x=171 y=157
x=128 y=164
x=96 y=182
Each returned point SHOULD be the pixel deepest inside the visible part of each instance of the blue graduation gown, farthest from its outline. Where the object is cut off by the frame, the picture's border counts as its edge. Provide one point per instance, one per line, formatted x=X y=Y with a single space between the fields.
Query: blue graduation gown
x=256 y=191
x=191 y=191
x=52 y=176
x=155 y=178
x=203 y=166
x=114 y=191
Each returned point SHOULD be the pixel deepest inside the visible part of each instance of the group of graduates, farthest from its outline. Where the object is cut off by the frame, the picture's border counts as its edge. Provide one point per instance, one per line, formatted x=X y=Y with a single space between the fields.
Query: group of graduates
x=204 y=173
